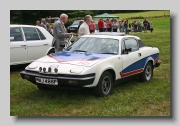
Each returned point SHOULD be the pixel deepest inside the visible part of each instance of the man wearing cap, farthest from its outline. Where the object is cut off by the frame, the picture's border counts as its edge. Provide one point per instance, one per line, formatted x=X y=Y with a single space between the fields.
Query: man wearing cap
x=84 y=28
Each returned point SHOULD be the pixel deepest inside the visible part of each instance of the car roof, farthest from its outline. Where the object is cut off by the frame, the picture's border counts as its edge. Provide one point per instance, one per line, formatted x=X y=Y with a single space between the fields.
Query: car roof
x=21 y=25
x=54 y=18
x=110 y=35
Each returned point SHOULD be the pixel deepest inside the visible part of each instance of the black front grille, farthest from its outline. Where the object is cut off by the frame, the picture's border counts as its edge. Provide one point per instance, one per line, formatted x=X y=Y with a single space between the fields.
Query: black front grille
x=62 y=75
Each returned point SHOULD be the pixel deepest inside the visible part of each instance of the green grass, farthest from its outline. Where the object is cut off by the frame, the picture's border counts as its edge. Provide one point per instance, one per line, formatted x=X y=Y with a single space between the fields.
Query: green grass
x=143 y=14
x=131 y=98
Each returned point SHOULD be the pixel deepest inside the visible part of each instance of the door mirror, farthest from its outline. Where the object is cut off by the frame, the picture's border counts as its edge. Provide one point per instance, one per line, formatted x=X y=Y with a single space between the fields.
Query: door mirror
x=126 y=51
x=12 y=38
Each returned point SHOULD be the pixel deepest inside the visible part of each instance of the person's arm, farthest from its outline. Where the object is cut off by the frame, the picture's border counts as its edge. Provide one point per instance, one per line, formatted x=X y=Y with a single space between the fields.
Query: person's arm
x=59 y=30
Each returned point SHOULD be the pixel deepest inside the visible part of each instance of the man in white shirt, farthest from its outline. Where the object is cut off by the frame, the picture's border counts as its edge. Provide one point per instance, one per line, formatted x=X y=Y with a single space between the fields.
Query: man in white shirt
x=84 y=28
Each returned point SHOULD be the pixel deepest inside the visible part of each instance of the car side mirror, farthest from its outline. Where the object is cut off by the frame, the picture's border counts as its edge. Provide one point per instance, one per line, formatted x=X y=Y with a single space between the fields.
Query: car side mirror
x=11 y=38
x=126 y=51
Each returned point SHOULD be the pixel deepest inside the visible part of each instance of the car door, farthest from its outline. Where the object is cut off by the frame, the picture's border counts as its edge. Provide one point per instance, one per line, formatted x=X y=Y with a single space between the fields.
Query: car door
x=37 y=44
x=131 y=56
x=18 y=47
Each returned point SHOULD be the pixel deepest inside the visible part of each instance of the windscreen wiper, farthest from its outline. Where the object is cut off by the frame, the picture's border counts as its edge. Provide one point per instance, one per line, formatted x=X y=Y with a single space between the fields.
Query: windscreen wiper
x=109 y=53
x=79 y=50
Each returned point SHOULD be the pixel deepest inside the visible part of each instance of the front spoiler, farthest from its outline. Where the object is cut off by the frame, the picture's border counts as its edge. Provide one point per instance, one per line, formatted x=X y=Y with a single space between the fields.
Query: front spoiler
x=157 y=63
x=63 y=79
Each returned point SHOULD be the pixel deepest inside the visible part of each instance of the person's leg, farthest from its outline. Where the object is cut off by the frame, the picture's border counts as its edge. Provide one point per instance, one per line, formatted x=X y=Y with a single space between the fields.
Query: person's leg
x=126 y=30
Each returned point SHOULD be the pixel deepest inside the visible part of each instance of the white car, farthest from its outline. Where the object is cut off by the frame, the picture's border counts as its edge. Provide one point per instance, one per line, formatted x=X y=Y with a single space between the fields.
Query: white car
x=28 y=43
x=96 y=61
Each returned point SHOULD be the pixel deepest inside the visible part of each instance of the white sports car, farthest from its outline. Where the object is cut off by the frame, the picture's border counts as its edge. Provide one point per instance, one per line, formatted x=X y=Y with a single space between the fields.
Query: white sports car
x=28 y=43
x=97 y=61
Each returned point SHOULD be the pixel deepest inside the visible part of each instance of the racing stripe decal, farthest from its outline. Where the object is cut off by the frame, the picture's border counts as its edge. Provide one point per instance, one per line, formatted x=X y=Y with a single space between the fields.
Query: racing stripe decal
x=58 y=60
x=131 y=73
x=156 y=60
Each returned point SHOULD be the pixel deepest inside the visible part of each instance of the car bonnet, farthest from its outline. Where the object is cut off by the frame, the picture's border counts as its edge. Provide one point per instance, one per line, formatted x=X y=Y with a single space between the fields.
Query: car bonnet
x=74 y=58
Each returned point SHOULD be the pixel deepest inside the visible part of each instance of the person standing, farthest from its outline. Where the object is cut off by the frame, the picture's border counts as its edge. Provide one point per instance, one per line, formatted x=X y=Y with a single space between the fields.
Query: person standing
x=101 y=25
x=60 y=34
x=84 y=28
x=92 y=27
x=145 y=22
x=151 y=27
x=122 y=26
x=105 y=26
x=115 y=25
x=108 y=25
x=47 y=25
x=126 y=26
x=43 y=23
x=37 y=23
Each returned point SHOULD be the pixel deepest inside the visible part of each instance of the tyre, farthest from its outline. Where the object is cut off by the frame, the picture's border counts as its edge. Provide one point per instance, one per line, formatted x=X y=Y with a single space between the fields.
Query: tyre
x=104 y=85
x=51 y=51
x=147 y=73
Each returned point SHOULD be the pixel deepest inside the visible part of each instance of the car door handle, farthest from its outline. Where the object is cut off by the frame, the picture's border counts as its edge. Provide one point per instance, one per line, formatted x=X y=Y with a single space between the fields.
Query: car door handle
x=23 y=45
x=139 y=54
x=45 y=44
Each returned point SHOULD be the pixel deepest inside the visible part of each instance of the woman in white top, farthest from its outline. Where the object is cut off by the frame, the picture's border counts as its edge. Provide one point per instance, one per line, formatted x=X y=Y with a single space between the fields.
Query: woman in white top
x=115 y=25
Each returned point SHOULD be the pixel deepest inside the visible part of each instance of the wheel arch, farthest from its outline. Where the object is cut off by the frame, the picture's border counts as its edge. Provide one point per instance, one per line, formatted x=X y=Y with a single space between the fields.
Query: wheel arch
x=112 y=72
x=151 y=60
x=50 y=49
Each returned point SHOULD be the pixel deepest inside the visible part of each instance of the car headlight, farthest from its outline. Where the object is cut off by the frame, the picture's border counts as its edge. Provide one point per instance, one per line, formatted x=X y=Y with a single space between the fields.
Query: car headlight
x=77 y=70
x=33 y=65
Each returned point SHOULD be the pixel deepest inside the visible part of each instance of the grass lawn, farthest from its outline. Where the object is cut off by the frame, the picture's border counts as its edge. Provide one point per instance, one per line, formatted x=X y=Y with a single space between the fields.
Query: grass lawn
x=143 y=14
x=131 y=98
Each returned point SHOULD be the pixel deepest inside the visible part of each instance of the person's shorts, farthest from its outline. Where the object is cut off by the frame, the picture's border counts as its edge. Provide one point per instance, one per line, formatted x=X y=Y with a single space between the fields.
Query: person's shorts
x=145 y=27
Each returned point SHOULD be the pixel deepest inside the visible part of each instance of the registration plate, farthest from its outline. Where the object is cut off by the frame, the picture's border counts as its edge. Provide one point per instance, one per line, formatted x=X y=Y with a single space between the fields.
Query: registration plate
x=46 y=81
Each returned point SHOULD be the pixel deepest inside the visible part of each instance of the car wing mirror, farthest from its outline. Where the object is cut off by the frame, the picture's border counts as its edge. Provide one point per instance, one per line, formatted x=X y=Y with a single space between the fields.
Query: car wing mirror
x=126 y=51
x=12 y=38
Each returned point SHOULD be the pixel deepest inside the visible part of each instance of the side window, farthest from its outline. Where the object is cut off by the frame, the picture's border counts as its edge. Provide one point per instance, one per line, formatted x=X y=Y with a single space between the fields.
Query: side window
x=16 y=34
x=129 y=45
x=141 y=44
x=31 y=34
x=41 y=35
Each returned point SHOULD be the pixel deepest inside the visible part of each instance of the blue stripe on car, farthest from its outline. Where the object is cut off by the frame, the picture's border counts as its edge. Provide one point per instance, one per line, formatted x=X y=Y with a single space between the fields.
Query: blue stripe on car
x=139 y=64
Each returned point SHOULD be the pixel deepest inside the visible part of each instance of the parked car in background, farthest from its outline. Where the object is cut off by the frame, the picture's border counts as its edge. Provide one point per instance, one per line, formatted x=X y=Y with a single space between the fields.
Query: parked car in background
x=28 y=43
x=52 y=20
x=97 y=61
x=74 y=26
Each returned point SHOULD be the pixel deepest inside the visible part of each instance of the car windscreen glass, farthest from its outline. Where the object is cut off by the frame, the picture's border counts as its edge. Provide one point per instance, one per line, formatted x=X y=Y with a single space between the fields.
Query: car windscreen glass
x=52 y=20
x=95 y=45
x=76 y=23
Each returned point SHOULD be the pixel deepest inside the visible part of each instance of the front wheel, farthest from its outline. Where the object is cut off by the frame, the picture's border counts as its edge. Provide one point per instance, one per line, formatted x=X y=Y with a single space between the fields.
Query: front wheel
x=147 y=73
x=104 y=85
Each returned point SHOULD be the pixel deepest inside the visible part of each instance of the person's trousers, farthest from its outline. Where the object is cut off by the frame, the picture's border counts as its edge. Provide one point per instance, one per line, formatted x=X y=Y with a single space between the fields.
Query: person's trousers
x=101 y=29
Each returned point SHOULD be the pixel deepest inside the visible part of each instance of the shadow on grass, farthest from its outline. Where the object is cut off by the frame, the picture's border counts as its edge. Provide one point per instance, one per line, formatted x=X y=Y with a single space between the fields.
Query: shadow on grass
x=59 y=94
x=79 y=94
x=15 y=68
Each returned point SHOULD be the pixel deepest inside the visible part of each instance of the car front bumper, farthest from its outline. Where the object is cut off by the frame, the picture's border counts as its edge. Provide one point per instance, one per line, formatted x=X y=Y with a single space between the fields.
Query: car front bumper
x=157 y=64
x=64 y=80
